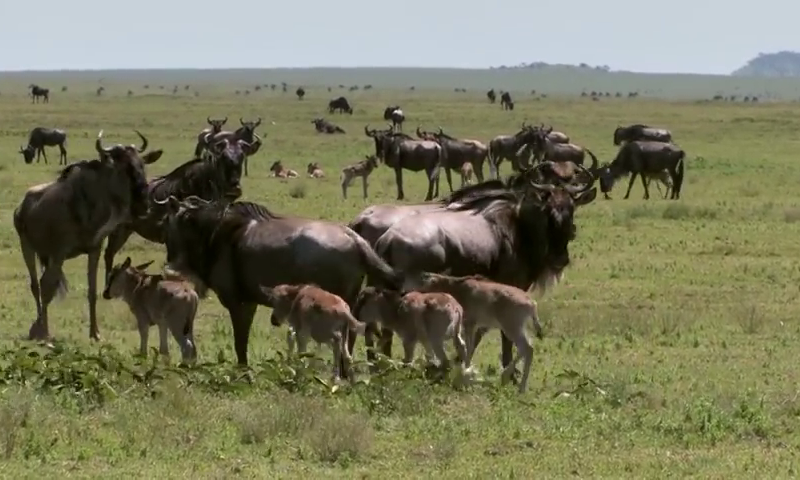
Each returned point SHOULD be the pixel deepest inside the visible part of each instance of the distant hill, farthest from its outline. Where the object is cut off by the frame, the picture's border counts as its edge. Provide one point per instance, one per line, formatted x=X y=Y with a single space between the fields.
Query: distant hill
x=779 y=64
x=545 y=65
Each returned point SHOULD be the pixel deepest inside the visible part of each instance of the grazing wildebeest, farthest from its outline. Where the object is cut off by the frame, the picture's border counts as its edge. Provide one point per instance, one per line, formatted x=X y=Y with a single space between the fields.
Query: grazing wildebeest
x=324 y=126
x=235 y=249
x=41 y=137
x=506 y=102
x=314 y=314
x=341 y=104
x=166 y=302
x=516 y=233
x=300 y=93
x=648 y=159
x=315 y=171
x=279 y=171
x=214 y=177
x=396 y=115
x=72 y=216
x=641 y=132
x=37 y=91
x=246 y=132
x=491 y=96
x=510 y=147
x=215 y=126
x=457 y=152
x=544 y=149
x=361 y=169
x=399 y=151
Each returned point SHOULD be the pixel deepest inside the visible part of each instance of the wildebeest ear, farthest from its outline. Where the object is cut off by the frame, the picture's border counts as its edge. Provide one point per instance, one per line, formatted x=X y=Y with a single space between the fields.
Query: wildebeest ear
x=144 y=265
x=586 y=197
x=126 y=263
x=152 y=157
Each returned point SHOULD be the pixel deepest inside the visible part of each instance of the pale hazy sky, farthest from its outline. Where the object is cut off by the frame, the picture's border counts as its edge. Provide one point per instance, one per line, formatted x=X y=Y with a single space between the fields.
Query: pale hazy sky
x=698 y=36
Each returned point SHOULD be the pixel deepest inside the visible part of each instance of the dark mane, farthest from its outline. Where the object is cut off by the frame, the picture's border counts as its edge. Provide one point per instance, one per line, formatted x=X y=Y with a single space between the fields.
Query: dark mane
x=195 y=177
x=251 y=211
x=95 y=165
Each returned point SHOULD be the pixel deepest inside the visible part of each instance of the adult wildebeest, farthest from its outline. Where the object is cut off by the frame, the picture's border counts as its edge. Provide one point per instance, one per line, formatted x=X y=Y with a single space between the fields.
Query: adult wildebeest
x=214 y=177
x=516 y=233
x=399 y=151
x=41 y=137
x=71 y=216
x=324 y=126
x=396 y=115
x=648 y=159
x=37 y=91
x=300 y=93
x=373 y=221
x=457 y=152
x=641 y=132
x=544 y=149
x=246 y=132
x=510 y=147
x=215 y=126
x=506 y=102
x=235 y=249
x=491 y=96
x=341 y=104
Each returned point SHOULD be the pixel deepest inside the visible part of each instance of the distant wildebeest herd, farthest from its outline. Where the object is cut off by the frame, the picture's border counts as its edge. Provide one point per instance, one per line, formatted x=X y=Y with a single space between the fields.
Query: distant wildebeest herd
x=445 y=270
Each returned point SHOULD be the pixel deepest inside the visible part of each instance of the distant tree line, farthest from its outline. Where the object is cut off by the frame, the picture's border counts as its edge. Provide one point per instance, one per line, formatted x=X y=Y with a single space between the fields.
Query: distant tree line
x=779 y=64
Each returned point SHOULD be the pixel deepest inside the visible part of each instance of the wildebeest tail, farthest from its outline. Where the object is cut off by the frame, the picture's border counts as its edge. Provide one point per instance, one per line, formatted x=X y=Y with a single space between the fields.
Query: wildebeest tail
x=679 y=173
x=375 y=266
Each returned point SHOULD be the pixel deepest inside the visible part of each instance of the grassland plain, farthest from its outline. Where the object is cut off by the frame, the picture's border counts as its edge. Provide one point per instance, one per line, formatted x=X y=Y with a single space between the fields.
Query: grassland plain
x=670 y=347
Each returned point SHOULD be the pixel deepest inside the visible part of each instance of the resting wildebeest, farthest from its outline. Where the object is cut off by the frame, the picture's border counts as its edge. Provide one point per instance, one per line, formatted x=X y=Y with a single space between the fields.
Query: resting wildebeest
x=648 y=159
x=641 y=132
x=41 y=137
x=246 y=132
x=72 y=216
x=235 y=249
x=510 y=147
x=399 y=151
x=341 y=104
x=396 y=116
x=214 y=177
x=301 y=92
x=324 y=126
x=457 y=152
x=516 y=233
x=491 y=96
x=544 y=149
x=506 y=102
x=214 y=128
x=37 y=91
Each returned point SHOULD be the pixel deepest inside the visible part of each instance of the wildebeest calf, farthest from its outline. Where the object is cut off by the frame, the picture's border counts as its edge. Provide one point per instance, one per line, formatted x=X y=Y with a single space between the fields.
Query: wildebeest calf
x=278 y=170
x=487 y=305
x=167 y=302
x=427 y=318
x=361 y=169
x=316 y=314
x=466 y=174
x=314 y=171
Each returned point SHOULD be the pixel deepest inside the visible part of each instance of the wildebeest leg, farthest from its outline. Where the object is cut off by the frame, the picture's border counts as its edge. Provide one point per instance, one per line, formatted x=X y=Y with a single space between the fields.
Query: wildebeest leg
x=241 y=320
x=29 y=256
x=44 y=154
x=163 y=340
x=62 y=157
x=506 y=348
x=398 y=178
x=448 y=174
x=646 y=190
x=91 y=272
x=433 y=180
x=116 y=240
x=364 y=184
x=630 y=184
x=386 y=337
x=143 y=325
x=52 y=278
x=245 y=165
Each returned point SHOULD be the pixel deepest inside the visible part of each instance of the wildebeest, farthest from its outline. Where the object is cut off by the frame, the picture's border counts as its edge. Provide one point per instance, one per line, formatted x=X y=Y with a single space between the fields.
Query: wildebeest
x=246 y=132
x=72 y=215
x=374 y=220
x=169 y=303
x=506 y=102
x=516 y=233
x=234 y=249
x=314 y=314
x=215 y=126
x=396 y=115
x=324 y=126
x=466 y=174
x=341 y=104
x=362 y=169
x=314 y=170
x=214 y=177
x=648 y=159
x=641 y=132
x=399 y=151
x=545 y=149
x=41 y=137
x=37 y=91
x=300 y=93
x=509 y=147
x=278 y=170
x=456 y=152
x=491 y=96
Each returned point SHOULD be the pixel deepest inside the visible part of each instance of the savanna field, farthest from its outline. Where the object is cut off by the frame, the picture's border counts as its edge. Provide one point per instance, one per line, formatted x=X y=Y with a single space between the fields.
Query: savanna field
x=670 y=347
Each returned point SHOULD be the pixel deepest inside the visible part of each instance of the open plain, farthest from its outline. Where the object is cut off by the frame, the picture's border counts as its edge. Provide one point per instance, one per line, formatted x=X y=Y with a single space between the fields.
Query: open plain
x=670 y=347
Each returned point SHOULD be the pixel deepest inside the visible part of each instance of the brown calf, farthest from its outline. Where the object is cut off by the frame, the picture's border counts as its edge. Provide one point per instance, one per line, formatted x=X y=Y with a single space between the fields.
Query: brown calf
x=279 y=171
x=167 y=302
x=466 y=174
x=361 y=169
x=487 y=305
x=314 y=171
x=316 y=314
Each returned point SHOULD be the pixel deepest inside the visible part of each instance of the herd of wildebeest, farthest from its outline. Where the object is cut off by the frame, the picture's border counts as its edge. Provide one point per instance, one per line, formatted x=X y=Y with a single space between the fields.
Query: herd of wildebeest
x=440 y=270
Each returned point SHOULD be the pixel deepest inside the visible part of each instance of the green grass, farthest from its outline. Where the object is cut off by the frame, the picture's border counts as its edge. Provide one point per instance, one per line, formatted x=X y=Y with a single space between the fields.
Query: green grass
x=670 y=347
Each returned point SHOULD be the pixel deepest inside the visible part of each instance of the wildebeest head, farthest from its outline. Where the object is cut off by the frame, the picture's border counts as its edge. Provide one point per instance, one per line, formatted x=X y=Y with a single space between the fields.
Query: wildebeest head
x=129 y=165
x=312 y=167
x=120 y=277
x=229 y=156
x=280 y=299
x=28 y=153
x=378 y=136
x=607 y=177
x=425 y=135
x=216 y=124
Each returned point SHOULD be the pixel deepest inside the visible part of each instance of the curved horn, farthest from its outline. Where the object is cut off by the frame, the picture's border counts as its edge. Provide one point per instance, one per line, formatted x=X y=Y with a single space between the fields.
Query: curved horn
x=241 y=121
x=208 y=120
x=595 y=162
x=144 y=265
x=545 y=187
x=225 y=120
x=575 y=189
x=367 y=131
x=441 y=132
x=523 y=125
x=419 y=134
x=98 y=145
x=144 y=141
x=258 y=122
